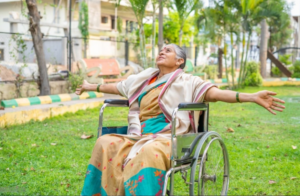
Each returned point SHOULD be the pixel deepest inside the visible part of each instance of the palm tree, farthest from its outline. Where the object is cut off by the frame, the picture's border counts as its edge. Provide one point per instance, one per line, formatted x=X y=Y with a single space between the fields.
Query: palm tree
x=184 y=8
x=139 y=8
x=251 y=15
x=226 y=18
x=232 y=17
x=199 y=20
x=154 y=6
x=83 y=24
x=213 y=31
x=160 y=26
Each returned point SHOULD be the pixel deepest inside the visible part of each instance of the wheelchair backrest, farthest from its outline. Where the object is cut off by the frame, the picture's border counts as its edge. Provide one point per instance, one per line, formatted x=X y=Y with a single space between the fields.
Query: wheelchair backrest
x=203 y=121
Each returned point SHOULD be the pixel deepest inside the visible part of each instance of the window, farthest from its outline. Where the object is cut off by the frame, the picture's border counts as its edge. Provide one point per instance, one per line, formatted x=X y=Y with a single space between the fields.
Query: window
x=104 y=19
x=1 y=54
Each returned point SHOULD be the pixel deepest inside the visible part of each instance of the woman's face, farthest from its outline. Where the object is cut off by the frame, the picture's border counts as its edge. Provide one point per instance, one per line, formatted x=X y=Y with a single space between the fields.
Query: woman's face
x=167 y=58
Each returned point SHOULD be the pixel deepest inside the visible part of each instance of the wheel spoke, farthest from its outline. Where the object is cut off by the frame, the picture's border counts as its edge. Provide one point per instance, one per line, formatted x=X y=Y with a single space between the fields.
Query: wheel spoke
x=218 y=163
x=211 y=180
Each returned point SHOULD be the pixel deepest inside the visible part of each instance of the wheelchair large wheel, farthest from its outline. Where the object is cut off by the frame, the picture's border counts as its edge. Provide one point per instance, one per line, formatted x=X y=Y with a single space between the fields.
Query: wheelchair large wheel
x=210 y=168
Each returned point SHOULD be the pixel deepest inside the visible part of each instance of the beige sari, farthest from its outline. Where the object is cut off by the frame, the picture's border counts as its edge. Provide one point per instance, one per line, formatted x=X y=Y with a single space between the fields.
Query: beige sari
x=135 y=164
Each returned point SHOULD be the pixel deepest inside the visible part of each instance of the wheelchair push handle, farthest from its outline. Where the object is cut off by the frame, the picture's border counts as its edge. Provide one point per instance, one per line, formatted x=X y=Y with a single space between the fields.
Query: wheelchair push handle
x=117 y=101
x=192 y=106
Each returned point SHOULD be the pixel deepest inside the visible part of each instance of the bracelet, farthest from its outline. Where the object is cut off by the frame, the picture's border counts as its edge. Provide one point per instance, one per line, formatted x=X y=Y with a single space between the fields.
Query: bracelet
x=237 y=97
x=98 y=88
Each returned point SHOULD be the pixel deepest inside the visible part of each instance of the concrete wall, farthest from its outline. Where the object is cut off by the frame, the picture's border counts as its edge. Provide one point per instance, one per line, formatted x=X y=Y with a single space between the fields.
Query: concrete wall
x=8 y=90
x=45 y=9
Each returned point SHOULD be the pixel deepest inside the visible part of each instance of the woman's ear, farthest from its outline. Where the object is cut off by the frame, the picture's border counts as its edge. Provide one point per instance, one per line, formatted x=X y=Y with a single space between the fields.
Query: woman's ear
x=179 y=61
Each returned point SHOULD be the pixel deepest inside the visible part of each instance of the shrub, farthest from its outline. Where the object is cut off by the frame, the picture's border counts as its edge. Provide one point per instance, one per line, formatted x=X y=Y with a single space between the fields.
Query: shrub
x=75 y=79
x=285 y=59
x=211 y=71
x=253 y=77
x=296 y=69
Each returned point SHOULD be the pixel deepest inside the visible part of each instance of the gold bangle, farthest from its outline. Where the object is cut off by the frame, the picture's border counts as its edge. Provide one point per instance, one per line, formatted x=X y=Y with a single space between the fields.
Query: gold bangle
x=237 y=97
x=98 y=88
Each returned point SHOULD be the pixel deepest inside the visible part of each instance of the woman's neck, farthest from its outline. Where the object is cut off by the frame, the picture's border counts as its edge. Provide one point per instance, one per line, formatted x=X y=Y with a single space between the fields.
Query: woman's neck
x=163 y=72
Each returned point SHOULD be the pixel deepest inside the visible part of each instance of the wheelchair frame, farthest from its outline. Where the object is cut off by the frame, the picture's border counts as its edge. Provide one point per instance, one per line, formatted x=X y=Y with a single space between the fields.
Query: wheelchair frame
x=188 y=150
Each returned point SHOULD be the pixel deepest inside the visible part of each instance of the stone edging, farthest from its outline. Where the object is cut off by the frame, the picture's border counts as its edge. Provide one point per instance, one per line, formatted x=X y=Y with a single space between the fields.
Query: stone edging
x=48 y=99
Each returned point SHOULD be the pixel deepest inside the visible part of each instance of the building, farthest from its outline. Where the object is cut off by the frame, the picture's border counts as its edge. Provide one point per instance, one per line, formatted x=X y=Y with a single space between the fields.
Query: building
x=104 y=17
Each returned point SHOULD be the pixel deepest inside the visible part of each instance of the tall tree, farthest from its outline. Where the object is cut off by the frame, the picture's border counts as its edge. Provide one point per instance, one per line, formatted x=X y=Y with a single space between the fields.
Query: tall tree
x=251 y=13
x=227 y=19
x=273 y=12
x=83 y=24
x=279 y=25
x=160 y=25
x=184 y=8
x=37 y=37
x=154 y=7
x=263 y=48
x=139 y=8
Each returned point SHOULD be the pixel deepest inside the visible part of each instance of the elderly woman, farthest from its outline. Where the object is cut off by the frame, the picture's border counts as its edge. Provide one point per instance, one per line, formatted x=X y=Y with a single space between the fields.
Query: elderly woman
x=135 y=164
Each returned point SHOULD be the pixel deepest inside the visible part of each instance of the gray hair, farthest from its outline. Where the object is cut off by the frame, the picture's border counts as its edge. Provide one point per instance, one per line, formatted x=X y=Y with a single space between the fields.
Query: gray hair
x=180 y=54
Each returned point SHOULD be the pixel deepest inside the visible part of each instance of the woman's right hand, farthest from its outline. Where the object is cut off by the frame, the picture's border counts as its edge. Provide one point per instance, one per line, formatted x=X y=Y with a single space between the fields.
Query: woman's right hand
x=82 y=87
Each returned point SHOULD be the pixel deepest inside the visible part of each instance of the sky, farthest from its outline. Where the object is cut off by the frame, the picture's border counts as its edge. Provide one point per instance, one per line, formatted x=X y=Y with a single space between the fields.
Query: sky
x=295 y=9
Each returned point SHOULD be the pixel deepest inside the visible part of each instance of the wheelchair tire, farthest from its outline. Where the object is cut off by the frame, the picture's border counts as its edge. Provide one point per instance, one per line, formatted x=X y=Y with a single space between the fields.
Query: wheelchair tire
x=210 y=168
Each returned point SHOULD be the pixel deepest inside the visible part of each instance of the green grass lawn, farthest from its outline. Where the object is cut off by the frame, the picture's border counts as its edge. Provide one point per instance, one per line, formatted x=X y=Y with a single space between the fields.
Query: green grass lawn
x=260 y=149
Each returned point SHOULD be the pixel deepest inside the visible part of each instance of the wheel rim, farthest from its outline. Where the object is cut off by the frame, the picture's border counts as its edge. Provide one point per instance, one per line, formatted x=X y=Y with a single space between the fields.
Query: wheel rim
x=212 y=173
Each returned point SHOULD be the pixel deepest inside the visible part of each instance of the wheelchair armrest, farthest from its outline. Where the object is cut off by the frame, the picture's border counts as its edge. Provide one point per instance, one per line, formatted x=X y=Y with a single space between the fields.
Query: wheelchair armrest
x=192 y=106
x=117 y=102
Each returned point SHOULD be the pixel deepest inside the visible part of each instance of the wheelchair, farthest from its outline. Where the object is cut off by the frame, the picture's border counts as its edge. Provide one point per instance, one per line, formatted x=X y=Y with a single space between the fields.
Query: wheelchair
x=201 y=157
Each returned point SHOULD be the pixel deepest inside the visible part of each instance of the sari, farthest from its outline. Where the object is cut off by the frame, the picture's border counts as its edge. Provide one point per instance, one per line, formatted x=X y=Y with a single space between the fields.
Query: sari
x=142 y=175
x=136 y=163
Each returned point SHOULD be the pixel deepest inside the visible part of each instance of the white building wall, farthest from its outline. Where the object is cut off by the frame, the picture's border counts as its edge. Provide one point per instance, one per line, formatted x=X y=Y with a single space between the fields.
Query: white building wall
x=47 y=12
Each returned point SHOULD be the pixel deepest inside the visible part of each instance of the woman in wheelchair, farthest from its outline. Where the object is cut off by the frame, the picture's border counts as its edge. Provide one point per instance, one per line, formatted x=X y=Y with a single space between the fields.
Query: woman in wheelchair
x=136 y=163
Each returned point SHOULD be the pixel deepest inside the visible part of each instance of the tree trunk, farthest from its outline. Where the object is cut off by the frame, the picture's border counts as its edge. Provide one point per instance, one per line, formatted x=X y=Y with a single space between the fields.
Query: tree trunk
x=220 y=62
x=242 y=59
x=160 y=26
x=263 y=48
x=180 y=36
x=232 y=60
x=34 y=28
x=237 y=61
x=142 y=46
x=153 y=36
x=246 y=58
x=196 y=55
x=225 y=60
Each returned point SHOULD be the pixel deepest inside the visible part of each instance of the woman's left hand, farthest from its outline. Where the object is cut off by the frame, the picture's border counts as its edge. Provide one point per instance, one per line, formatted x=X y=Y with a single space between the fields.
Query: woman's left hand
x=266 y=100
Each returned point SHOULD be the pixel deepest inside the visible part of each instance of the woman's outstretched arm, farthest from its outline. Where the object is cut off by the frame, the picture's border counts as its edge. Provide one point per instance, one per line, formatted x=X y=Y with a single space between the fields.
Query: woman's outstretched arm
x=104 y=88
x=262 y=98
